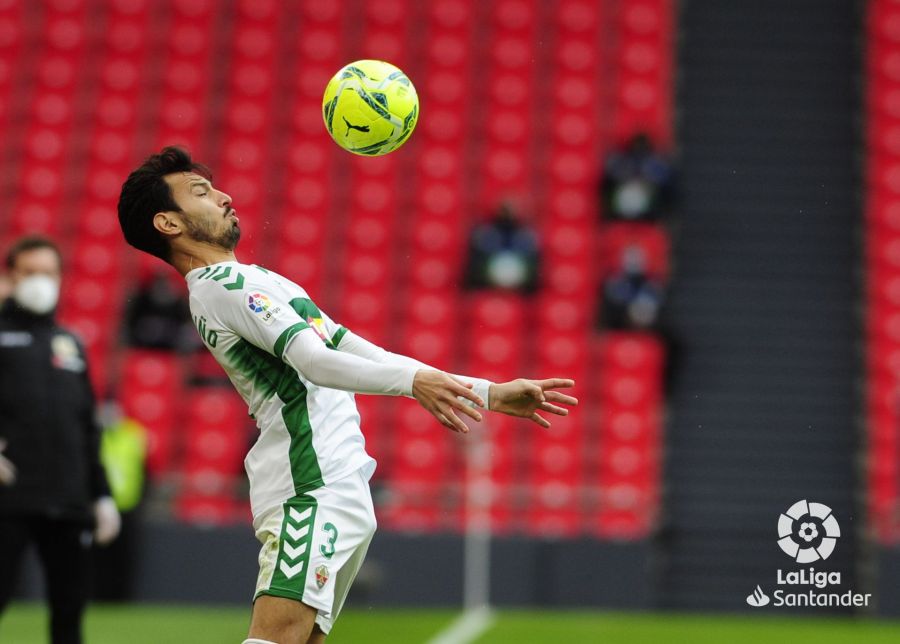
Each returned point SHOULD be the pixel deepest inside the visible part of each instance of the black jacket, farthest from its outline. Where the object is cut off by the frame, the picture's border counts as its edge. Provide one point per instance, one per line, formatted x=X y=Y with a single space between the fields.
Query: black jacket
x=47 y=417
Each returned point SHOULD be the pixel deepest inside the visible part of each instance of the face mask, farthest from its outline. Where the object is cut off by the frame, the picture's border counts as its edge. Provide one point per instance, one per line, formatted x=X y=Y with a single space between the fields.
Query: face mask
x=38 y=294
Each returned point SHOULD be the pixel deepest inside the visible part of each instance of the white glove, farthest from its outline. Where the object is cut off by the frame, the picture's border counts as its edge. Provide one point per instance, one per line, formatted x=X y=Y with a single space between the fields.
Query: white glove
x=7 y=469
x=108 y=520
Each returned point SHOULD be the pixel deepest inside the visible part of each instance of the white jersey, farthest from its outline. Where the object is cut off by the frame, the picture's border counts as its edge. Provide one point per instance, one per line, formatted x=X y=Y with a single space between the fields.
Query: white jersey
x=309 y=435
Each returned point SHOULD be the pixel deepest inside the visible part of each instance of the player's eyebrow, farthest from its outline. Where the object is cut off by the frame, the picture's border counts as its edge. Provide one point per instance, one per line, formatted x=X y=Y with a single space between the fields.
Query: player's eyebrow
x=201 y=182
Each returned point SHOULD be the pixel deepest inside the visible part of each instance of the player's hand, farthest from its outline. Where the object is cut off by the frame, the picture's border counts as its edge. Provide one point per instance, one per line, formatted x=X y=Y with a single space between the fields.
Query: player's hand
x=524 y=398
x=7 y=469
x=440 y=394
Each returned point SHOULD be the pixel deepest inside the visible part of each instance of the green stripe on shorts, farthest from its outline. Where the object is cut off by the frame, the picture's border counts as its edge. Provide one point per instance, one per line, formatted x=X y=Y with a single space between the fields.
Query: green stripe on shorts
x=294 y=547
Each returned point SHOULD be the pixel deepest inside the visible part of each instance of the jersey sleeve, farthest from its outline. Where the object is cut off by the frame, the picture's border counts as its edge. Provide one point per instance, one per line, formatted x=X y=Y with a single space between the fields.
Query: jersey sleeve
x=359 y=346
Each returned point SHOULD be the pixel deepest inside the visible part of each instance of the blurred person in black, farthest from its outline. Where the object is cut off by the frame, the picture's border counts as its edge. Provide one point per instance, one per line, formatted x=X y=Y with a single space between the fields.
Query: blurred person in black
x=158 y=316
x=631 y=299
x=503 y=253
x=53 y=490
x=637 y=182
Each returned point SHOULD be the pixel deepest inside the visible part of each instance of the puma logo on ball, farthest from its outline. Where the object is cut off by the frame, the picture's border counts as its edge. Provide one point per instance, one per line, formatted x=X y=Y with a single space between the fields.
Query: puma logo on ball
x=350 y=126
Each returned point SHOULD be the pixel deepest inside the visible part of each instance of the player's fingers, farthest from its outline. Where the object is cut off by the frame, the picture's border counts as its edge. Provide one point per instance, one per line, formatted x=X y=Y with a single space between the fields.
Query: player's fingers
x=468 y=385
x=556 y=383
x=465 y=392
x=543 y=422
x=553 y=409
x=455 y=423
x=555 y=396
x=445 y=421
x=456 y=403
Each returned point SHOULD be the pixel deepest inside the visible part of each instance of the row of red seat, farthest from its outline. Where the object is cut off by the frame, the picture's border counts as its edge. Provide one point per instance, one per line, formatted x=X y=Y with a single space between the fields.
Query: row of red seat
x=883 y=269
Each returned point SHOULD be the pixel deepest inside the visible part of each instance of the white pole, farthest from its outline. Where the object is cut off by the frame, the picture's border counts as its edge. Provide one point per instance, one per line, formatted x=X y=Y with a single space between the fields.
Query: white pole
x=476 y=617
x=479 y=491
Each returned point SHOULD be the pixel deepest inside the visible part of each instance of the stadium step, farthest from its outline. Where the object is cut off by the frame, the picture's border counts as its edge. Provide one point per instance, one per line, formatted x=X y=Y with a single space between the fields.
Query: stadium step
x=762 y=303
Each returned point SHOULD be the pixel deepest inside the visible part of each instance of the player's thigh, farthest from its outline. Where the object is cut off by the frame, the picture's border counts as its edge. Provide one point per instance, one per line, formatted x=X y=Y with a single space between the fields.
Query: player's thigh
x=345 y=526
x=317 y=637
x=278 y=619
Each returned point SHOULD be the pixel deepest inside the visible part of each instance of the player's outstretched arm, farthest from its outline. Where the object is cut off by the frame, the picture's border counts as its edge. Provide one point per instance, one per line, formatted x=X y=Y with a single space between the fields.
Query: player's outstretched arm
x=359 y=346
x=524 y=398
x=436 y=391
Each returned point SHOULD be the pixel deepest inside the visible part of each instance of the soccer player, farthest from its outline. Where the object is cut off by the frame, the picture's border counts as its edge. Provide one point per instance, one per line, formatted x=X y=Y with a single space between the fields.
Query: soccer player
x=297 y=370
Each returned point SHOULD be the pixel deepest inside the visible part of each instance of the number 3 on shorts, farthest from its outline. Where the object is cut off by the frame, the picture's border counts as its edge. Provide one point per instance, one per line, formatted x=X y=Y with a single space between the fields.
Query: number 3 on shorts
x=327 y=548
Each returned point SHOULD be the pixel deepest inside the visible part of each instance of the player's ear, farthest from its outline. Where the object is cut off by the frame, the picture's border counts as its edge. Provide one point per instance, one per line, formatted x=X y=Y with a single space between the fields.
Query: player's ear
x=167 y=223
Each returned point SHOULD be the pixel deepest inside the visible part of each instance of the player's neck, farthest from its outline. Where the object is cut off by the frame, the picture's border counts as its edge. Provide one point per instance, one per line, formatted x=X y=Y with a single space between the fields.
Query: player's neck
x=200 y=255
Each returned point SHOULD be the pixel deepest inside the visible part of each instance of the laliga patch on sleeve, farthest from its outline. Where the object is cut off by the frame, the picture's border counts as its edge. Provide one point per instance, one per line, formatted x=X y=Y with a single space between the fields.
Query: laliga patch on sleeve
x=262 y=306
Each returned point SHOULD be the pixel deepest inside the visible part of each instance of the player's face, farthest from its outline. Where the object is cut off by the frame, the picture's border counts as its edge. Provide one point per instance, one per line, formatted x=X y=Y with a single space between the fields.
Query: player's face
x=206 y=212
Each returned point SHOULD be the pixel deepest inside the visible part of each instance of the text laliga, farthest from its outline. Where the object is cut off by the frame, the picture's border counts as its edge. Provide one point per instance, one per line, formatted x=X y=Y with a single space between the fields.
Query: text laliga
x=808 y=578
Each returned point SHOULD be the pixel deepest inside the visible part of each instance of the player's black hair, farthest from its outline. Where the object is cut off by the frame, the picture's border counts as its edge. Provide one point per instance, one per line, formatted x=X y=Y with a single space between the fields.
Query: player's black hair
x=29 y=243
x=146 y=193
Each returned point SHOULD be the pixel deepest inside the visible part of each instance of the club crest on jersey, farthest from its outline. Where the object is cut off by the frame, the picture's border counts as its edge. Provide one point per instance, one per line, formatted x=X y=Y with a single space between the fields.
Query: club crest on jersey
x=322 y=575
x=261 y=305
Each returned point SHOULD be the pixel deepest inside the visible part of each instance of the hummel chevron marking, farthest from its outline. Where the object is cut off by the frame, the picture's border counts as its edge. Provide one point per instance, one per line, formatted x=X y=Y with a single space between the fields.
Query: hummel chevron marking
x=290 y=571
x=299 y=517
x=291 y=552
x=296 y=533
x=223 y=274
x=237 y=284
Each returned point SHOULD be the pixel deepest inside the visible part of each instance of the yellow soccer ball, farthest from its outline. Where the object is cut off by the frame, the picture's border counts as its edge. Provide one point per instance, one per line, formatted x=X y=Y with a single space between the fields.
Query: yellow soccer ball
x=370 y=107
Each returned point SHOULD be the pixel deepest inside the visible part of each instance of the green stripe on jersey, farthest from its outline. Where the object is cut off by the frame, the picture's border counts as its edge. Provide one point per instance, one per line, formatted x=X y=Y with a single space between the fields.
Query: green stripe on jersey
x=305 y=308
x=338 y=336
x=285 y=337
x=308 y=310
x=272 y=376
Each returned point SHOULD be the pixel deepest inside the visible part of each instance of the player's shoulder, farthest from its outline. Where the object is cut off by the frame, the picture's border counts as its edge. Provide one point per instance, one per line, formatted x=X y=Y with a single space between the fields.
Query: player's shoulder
x=227 y=283
x=225 y=277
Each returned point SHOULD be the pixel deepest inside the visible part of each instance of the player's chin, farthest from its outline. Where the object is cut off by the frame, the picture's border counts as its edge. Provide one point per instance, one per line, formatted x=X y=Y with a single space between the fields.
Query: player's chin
x=232 y=236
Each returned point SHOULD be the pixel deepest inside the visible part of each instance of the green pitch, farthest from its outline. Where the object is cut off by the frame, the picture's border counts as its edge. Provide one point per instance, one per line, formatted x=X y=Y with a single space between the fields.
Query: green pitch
x=26 y=624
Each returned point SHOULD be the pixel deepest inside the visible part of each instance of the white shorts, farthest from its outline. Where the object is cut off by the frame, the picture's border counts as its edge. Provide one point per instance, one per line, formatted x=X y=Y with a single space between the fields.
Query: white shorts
x=315 y=543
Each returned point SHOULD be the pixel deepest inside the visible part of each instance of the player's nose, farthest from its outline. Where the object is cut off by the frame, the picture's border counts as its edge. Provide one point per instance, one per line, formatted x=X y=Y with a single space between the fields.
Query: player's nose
x=224 y=199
